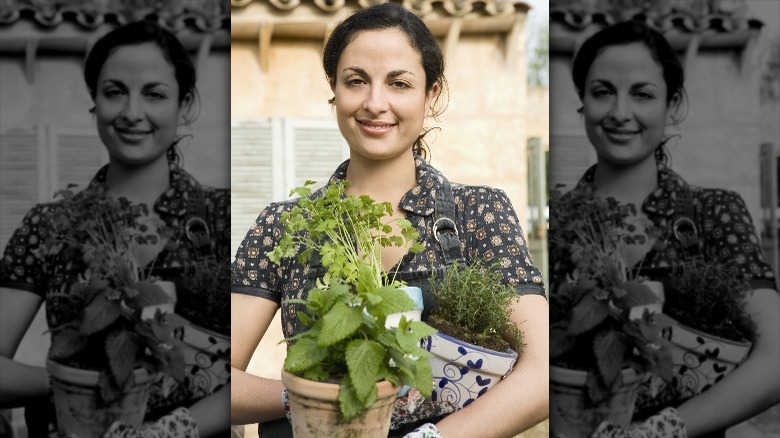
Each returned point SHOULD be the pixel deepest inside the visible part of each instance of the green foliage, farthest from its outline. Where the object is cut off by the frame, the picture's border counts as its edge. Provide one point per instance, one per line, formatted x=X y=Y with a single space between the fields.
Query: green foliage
x=593 y=293
x=473 y=305
x=710 y=296
x=346 y=339
x=205 y=284
x=102 y=291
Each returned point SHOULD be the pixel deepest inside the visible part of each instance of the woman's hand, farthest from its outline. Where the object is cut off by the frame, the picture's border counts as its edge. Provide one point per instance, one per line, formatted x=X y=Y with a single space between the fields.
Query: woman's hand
x=665 y=424
x=427 y=430
x=177 y=424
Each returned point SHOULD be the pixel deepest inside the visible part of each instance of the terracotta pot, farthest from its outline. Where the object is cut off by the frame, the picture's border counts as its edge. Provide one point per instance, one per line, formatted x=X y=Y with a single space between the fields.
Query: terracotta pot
x=700 y=359
x=571 y=414
x=462 y=371
x=79 y=407
x=206 y=358
x=315 y=410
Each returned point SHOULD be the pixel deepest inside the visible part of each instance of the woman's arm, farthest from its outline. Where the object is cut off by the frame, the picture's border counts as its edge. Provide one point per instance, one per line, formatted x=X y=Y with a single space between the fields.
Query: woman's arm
x=752 y=387
x=212 y=414
x=521 y=400
x=19 y=383
x=252 y=399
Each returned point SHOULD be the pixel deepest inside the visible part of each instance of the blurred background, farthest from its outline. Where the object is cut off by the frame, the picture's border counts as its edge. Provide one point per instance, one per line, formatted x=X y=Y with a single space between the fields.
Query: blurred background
x=494 y=131
x=730 y=50
x=48 y=138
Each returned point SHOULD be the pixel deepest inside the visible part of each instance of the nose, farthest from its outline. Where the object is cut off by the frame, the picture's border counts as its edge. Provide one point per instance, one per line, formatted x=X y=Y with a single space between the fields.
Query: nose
x=132 y=111
x=376 y=100
x=621 y=109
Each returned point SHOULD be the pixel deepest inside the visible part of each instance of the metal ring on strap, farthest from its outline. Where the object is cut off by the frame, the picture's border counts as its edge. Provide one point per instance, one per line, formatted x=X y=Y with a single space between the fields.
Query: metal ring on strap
x=681 y=222
x=195 y=222
x=436 y=227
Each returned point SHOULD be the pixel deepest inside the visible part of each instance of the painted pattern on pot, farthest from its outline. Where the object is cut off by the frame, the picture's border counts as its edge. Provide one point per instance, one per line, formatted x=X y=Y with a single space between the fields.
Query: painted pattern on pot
x=462 y=371
x=206 y=359
x=700 y=359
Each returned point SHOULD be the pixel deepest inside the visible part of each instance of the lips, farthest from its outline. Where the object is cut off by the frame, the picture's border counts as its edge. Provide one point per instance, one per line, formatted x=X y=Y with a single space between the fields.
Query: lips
x=620 y=134
x=375 y=127
x=131 y=134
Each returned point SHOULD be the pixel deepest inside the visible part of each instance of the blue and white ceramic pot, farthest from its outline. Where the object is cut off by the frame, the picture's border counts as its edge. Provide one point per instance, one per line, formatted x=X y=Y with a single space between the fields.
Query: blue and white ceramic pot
x=462 y=371
x=701 y=359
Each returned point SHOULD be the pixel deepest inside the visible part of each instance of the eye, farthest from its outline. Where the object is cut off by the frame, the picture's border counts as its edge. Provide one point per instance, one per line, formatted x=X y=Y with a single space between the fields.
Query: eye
x=400 y=84
x=642 y=95
x=112 y=92
x=156 y=95
x=354 y=81
x=601 y=92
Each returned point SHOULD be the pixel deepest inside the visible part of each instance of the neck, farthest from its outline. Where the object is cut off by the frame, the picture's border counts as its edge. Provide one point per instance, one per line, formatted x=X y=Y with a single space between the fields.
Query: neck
x=627 y=184
x=139 y=184
x=386 y=180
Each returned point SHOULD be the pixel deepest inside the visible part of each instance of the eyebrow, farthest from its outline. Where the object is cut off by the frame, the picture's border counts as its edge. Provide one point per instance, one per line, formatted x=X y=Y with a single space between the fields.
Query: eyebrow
x=392 y=74
x=610 y=84
x=148 y=85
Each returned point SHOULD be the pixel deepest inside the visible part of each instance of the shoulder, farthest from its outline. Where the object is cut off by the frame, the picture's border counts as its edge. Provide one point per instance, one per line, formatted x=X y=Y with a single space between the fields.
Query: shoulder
x=476 y=193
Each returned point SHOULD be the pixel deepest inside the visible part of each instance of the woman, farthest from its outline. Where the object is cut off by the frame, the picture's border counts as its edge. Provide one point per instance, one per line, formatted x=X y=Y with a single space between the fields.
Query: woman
x=386 y=72
x=630 y=83
x=142 y=84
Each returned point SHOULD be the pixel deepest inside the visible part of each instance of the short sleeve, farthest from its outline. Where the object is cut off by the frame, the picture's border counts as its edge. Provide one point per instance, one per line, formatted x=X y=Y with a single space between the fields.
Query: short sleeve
x=252 y=272
x=731 y=237
x=495 y=237
x=20 y=267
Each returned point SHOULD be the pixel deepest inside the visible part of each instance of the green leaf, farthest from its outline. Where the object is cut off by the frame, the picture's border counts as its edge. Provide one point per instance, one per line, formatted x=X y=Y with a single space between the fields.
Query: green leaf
x=316 y=373
x=149 y=294
x=66 y=343
x=560 y=341
x=424 y=374
x=363 y=360
x=351 y=406
x=339 y=323
x=99 y=314
x=409 y=333
x=588 y=313
x=637 y=294
x=610 y=348
x=302 y=355
x=393 y=300
x=122 y=348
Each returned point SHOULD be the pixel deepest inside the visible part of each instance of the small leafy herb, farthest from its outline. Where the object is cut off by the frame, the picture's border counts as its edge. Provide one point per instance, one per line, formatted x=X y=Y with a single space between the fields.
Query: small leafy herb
x=347 y=339
x=710 y=296
x=593 y=293
x=205 y=284
x=101 y=290
x=473 y=306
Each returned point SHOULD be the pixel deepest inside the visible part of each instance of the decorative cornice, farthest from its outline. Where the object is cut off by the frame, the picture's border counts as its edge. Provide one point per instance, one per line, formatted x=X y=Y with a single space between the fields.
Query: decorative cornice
x=203 y=16
x=455 y=8
x=678 y=17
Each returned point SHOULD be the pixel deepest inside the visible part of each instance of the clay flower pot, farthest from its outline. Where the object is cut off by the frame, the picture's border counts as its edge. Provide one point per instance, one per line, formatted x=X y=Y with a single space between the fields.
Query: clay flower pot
x=700 y=359
x=79 y=407
x=571 y=414
x=462 y=371
x=314 y=407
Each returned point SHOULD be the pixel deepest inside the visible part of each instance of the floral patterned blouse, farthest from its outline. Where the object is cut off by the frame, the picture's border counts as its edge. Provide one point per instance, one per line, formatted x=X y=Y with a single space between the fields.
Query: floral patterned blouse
x=487 y=226
x=21 y=269
x=721 y=217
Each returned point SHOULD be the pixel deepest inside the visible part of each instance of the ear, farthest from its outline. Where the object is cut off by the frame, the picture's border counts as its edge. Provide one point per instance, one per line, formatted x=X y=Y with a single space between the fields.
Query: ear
x=430 y=95
x=186 y=104
x=674 y=104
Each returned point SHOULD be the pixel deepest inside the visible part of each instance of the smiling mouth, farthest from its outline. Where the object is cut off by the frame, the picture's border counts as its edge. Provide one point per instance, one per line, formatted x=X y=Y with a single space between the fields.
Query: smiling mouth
x=132 y=134
x=375 y=128
x=620 y=134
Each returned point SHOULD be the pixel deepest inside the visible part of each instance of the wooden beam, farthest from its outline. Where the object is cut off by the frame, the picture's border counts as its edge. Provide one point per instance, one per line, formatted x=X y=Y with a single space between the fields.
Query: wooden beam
x=203 y=53
x=453 y=35
x=30 y=50
x=264 y=45
x=691 y=51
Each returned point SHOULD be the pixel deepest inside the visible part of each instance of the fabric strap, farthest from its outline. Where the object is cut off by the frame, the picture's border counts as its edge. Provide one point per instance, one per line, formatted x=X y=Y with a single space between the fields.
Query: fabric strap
x=684 y=225
x=444 y=228
x=196 y=228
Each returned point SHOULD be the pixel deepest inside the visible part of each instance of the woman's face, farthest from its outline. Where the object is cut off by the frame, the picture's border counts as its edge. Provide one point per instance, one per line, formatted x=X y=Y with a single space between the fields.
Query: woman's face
x=624 y=104
x=137 y=104
x=380 y=94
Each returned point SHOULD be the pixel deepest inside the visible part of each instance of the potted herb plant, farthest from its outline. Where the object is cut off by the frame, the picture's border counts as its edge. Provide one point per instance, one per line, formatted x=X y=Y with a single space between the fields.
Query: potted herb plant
x=342 y=374
x=205 y=338
x=105 y=349
x=716 y=337
x=470 y=354
x=599 y=351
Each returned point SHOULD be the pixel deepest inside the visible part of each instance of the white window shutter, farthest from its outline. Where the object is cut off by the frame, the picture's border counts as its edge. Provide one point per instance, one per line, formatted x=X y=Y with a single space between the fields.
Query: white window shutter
x=317 y=150
x=570 y=157
x=18 y=178
x=79 y=155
